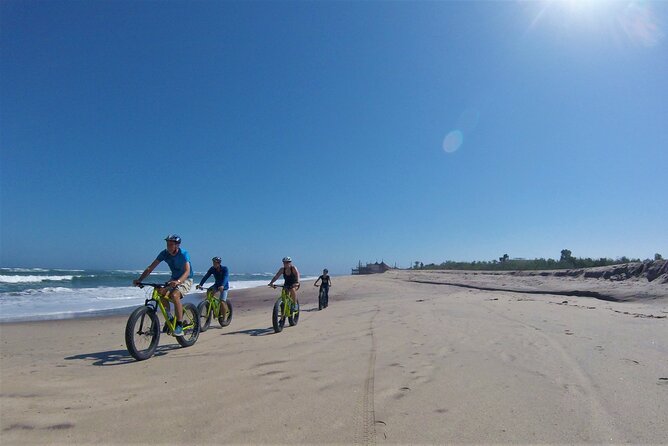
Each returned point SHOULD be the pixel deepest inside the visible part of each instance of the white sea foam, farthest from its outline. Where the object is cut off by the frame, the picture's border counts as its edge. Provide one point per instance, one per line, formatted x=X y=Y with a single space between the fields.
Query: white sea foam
x=59 y=302
x=36 y=279
x=24 y=270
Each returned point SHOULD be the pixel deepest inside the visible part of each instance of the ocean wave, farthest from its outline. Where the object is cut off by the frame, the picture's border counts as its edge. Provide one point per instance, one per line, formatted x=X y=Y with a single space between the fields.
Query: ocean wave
x=24 y=270
x=35 y=279
x=45 y=290
x=63 y=299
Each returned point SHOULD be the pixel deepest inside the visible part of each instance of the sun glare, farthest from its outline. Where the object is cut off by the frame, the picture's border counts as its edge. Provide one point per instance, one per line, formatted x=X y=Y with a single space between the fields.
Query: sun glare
x=635 y=20
x=584 y=6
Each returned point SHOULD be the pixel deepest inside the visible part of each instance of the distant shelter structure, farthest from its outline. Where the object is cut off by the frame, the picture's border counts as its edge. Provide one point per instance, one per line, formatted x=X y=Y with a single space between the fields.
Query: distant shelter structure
x=371 y=268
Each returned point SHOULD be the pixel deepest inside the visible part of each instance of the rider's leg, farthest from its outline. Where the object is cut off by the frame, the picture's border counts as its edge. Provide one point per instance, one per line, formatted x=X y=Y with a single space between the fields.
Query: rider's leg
x=293 y=294
x=223 y=303
x=177 y=295
x=178 y=306
x=165 y=300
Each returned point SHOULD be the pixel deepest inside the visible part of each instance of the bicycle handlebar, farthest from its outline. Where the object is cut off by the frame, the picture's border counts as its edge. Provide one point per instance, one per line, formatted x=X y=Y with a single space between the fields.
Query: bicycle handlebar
x=154 y=285
x=281 y=286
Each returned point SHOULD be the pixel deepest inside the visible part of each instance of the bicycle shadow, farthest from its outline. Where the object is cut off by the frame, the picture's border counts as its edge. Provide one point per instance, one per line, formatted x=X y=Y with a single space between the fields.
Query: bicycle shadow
x=118 y=357
x=252 y=332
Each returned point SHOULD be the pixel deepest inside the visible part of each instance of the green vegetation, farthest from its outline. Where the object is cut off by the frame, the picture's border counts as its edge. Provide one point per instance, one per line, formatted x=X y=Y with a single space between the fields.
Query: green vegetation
x=505 y=263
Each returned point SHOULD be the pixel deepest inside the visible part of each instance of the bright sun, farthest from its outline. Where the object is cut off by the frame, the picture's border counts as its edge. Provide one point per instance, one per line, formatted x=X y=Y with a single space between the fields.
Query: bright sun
x=633 y=19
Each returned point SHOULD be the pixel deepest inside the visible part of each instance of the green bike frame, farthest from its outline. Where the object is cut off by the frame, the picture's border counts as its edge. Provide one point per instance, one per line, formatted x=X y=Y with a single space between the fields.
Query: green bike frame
x=142 y=331
x=211 y=307
x=283 y=310
x=171 y=324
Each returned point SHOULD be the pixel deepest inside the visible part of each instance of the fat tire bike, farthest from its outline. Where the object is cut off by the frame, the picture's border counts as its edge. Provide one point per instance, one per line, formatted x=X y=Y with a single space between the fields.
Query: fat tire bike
x=211 y=307
x=142 y=331
x=323 y=298
x=283 y=310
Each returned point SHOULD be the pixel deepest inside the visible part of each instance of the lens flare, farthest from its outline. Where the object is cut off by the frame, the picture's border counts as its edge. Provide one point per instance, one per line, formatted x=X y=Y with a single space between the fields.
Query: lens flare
x=640 y=25
x=453 y=141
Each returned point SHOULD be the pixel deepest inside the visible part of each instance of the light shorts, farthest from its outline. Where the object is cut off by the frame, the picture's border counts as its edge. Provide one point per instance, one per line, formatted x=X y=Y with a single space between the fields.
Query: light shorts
x=223 y=295
x=184 y=288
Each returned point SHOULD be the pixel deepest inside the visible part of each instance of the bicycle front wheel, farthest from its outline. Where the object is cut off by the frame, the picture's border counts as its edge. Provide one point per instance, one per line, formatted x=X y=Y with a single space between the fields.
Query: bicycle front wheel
x=321 y=300
x=142 y=333
x=277 y=316
x=190 y=326
x=203 y=309
x=225 y=319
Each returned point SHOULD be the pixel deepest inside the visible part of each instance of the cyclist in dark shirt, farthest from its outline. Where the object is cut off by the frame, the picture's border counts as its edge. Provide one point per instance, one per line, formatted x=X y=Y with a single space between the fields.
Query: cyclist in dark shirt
x=221 y=285
x=291 y=279
x=324 y=285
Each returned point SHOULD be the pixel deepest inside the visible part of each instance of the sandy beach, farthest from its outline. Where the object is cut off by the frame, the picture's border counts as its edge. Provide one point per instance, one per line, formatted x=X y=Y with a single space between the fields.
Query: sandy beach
x=401 y=357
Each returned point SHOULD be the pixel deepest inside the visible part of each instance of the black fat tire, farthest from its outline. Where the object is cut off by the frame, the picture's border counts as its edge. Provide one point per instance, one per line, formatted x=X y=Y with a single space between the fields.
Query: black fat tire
x=143 y=327
x=222 y=320
x=321 y=300
x=294 y=318
x=190 y=335
x=277 y=319
x=204 y=315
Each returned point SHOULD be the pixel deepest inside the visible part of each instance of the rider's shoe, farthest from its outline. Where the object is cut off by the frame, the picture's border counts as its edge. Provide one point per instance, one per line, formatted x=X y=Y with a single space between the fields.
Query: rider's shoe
x=178 y=331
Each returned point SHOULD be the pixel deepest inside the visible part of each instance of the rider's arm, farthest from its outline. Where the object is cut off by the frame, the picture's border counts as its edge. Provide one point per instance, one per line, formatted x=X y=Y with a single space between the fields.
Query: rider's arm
x=206 y=276
x=278 y=274
x=316 y=281
x=226 y=276
x=185 y=275
x=149 y=269
x=296 y=271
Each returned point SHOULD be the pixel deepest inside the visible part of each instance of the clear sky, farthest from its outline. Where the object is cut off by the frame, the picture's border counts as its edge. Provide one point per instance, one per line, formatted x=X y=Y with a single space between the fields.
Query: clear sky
x=332 y=132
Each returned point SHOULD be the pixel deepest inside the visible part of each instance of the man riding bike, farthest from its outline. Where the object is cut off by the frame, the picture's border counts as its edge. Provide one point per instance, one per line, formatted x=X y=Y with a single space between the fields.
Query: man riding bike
x=222 y=276
x=181 y=279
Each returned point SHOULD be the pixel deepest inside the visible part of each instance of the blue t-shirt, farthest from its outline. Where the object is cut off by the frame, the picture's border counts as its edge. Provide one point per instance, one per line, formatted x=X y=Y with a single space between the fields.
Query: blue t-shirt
x=177 y=263
x=222 y=277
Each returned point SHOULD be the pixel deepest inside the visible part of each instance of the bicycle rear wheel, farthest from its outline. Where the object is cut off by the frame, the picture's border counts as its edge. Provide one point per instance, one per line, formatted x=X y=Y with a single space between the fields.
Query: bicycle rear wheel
x=225 y=319
x=190 y=326
x=142 y=333
x=277 y=316
x=203 y=309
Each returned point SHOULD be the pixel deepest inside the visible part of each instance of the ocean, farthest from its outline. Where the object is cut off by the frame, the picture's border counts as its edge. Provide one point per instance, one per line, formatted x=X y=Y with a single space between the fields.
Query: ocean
x=28 y=294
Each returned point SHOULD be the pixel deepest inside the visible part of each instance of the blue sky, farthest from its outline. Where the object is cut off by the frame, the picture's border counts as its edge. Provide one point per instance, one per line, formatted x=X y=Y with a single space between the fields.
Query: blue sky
x=331 y=131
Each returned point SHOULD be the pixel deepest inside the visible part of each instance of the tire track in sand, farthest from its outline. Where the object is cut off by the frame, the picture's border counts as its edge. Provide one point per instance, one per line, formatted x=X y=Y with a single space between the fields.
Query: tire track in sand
x=365 y=416
x=601 y=422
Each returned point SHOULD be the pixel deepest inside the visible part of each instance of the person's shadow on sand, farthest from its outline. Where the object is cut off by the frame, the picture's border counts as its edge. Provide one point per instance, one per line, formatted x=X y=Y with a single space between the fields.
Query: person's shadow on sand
x=118 y=357
x=253 y=332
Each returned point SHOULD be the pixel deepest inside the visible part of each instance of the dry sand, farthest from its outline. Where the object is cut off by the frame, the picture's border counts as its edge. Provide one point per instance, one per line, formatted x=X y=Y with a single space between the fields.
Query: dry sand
x=390 y=361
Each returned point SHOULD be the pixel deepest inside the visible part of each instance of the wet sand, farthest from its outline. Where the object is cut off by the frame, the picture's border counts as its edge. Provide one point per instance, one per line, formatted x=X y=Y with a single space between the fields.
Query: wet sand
x=397 y=358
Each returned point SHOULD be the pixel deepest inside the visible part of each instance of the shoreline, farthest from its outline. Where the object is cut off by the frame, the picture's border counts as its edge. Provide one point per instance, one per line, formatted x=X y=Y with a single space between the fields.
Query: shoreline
x=193 y=297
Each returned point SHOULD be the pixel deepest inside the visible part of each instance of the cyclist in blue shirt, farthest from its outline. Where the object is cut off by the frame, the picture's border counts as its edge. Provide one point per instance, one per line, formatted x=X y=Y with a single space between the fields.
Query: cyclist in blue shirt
x=221 y=285
x=181 y=279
